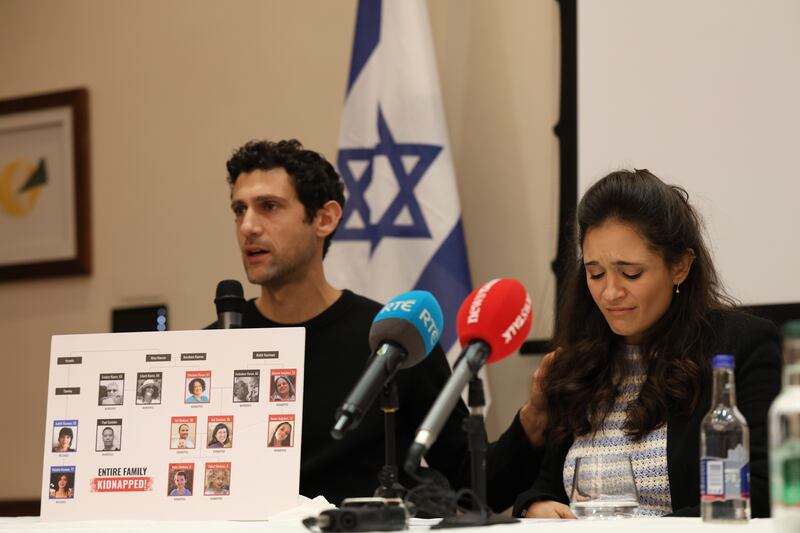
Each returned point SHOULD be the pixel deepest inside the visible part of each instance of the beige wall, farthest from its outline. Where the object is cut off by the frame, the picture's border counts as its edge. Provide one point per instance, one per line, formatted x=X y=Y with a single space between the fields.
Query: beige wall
x=176 y=85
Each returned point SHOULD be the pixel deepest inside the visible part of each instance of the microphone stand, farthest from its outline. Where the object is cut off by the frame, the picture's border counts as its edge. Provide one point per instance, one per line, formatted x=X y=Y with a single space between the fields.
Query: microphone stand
x=387 y=476
x=478 y=443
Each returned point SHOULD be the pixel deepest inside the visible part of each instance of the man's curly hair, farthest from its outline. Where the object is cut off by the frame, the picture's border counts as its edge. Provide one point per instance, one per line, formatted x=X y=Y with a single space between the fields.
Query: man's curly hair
x=314 y=178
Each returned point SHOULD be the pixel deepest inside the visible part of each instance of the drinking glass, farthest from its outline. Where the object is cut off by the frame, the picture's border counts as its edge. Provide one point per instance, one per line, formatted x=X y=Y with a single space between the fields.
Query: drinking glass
x=603 y=488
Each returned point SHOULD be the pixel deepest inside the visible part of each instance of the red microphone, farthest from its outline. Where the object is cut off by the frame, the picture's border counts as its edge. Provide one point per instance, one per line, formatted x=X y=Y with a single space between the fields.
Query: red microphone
x=492 y=323
x=498 y=313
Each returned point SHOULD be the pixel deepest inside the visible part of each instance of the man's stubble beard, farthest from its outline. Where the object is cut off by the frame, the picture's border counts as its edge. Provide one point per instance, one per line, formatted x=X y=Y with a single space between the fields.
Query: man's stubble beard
x=279 y=275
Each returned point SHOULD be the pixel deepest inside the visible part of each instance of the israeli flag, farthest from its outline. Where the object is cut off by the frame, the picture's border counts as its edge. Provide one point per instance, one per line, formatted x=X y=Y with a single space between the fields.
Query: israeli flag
x=401 y=228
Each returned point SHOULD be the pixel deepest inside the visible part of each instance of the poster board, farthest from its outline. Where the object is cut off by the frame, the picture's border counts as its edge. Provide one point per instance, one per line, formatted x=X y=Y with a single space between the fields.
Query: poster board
x=704 y=95
x=174 y=425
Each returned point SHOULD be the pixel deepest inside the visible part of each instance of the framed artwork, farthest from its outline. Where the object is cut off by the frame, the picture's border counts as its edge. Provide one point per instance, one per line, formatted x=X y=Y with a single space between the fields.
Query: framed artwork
x=45 y=224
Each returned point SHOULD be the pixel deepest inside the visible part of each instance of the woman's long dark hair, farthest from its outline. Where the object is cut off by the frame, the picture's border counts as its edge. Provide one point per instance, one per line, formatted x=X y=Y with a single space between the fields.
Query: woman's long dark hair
x=286 y=441
x=583 y=379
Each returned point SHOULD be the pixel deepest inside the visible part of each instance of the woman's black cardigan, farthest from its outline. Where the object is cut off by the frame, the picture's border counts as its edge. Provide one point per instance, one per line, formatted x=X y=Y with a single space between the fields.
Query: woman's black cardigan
x=755 y=343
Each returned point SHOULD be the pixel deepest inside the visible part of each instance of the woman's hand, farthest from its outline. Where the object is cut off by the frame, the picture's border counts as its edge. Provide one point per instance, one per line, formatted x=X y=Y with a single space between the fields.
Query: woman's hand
x=533 y=414
x=549 y=509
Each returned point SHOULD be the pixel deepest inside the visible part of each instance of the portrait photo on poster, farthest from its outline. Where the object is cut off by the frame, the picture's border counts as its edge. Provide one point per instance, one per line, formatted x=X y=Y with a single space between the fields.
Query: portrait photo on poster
x=111 y=390
x=220 y=432
x=281 y=431
x=245 y=386
x=282 y=384
x=148 y=388
x=218 y=479
x=180 y=479
x=198 y=386
x=109 y=435
x=182 y=432
x=62 y=482
x=65 y=436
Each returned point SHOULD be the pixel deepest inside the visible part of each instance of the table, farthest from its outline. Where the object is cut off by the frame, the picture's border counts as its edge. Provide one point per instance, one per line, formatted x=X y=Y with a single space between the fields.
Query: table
x=290 y=523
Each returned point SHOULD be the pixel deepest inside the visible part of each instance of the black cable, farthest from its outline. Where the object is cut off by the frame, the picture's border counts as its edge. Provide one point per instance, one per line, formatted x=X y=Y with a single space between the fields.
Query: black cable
x=311 y=523
x=483 y=509
x=432 y=497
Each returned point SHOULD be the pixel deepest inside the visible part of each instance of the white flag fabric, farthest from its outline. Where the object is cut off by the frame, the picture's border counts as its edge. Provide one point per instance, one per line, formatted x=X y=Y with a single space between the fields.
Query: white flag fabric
x=401 y=228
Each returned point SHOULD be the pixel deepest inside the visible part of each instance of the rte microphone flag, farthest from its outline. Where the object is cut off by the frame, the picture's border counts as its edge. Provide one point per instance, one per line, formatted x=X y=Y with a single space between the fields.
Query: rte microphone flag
x=401 y=227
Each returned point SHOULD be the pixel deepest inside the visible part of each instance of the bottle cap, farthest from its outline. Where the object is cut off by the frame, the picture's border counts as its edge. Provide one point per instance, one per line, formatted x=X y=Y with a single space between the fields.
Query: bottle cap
x=791 y=329
x=723 y=361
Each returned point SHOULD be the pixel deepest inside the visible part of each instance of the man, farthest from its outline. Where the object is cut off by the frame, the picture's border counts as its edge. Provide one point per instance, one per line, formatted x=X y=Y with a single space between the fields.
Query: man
x=108 y=440
x=112 y=396
x=182 y=440
x=287 y=203
x=241 y=391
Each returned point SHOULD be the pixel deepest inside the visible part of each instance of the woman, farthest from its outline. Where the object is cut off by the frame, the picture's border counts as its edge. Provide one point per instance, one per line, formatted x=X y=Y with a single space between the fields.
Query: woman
x=282 y=436
x=196 y=388
x=180 y=485
x=64 y=443
x=641 y=316
x=282 y=389
x=220 y=437
x=62 y=488
x=148 y=392
x=217 y=482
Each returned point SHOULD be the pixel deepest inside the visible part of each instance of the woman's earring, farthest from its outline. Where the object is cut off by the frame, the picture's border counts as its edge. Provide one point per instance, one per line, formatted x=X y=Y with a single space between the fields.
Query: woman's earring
x=678 y=288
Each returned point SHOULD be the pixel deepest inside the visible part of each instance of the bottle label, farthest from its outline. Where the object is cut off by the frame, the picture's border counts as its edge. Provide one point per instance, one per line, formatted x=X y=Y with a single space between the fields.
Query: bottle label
x=724 y=479
x=785 y=478
x=712 y=480
x=791 y=481
x=744 y=480
x=785 y=473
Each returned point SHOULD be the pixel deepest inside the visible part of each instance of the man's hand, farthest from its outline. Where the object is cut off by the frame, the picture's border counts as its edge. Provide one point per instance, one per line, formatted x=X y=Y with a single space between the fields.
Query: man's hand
x=533 y=414
x=549 y=509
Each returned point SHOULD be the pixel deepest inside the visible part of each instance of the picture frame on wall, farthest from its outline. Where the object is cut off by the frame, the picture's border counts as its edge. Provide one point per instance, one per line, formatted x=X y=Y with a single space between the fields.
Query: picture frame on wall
x=45 y=212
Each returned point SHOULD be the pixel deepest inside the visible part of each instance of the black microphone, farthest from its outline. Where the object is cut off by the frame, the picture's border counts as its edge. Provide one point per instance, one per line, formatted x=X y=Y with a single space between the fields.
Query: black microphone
x=403 y=333
x=230 y=304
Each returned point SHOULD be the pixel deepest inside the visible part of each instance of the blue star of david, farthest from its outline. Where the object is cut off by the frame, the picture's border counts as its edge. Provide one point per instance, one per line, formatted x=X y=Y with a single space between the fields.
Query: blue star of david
x=407 y=181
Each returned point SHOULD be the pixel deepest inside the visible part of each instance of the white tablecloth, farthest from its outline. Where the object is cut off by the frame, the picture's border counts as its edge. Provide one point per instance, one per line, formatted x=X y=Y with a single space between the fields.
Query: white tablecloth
x=288 y=524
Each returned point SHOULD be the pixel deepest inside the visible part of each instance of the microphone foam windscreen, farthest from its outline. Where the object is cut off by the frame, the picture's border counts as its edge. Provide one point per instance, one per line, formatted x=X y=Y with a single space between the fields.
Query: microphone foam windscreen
x=413 y=320
x=230 y=296
x=498 y=313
